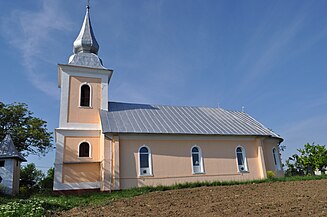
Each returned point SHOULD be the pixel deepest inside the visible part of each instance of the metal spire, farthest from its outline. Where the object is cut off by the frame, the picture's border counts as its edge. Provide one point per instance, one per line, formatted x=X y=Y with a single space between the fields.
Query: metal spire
x=86 y=46
x=85 y=41
x=88 y=4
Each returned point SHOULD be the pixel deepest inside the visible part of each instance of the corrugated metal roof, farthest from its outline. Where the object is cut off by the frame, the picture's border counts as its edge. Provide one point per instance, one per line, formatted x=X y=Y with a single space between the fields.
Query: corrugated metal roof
x=158 y=119
x=8 y=149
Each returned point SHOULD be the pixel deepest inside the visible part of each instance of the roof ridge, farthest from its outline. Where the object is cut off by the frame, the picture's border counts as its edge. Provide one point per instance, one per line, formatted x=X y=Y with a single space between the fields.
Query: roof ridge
x=181 y=106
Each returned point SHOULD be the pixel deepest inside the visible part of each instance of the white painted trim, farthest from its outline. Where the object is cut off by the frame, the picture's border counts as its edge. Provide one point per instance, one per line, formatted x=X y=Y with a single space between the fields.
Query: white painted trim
x=75 y=126
x=90 y=149
x=78 y=132
x=80 y=92
x=149 y=159
x=105 y=98
x=60 y=140
x=277 y=158
x=64 y=98
x=200 y=159
x=76 y=186
x=246 y=169
x=83 y=69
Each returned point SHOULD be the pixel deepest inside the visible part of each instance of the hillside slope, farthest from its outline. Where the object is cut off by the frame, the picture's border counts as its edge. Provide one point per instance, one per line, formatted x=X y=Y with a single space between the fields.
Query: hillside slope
x=299 y=198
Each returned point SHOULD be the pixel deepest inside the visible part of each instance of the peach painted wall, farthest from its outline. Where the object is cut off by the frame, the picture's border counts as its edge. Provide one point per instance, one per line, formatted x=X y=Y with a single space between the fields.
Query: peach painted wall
x=268 y=155
x=77 y=114
x=85 y=172
x=171 y=161
x=71 y=149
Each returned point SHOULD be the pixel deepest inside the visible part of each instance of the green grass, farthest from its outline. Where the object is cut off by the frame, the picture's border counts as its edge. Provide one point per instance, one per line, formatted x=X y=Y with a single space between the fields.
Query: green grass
x=48 y=203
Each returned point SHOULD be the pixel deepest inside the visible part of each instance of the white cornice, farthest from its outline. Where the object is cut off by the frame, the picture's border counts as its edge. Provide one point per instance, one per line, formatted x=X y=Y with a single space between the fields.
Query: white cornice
x=74 y=70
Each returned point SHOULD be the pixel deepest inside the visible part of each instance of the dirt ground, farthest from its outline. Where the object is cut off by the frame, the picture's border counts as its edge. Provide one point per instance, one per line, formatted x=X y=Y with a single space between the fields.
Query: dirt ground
x=300 y=198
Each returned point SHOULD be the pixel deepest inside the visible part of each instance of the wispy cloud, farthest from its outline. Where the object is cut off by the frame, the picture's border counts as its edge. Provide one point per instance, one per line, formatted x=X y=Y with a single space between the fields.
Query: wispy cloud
x=271 y=52
x=318 y=102
x=32 y=34
x=267 y=49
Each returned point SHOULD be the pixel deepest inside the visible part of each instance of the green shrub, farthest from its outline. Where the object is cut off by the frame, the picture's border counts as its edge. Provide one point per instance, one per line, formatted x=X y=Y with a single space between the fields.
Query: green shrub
x=271 y=174
x=32 y=207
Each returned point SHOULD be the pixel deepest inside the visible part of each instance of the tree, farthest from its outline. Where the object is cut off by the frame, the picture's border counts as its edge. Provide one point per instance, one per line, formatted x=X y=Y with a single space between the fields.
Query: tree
x=29 y=133
x=34 y=180
x=312 y=157
x=47 y=182
x=30 y=176
x=294 y=166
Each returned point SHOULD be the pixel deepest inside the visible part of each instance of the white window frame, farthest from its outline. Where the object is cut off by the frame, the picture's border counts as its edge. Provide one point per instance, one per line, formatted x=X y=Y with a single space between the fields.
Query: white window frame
x=277 y=158
x=90 y=149
x=246 y=169
x=149 y=159
x=80 y=92
x=200 y=160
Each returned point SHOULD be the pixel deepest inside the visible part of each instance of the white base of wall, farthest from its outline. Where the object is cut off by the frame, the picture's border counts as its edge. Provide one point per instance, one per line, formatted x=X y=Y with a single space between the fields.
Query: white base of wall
x=75 y=186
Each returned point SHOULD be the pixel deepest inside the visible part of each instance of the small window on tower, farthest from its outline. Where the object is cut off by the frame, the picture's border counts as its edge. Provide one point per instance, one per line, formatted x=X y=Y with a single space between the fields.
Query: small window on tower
x=84 y=149
x=85 y=99
x=2 y=163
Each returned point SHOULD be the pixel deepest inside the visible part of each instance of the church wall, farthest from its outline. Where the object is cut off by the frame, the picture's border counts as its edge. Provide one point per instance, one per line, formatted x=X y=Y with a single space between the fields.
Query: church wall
x=268 y=154
x=172 y=163
x=86 y=172
x=78 y=114
x=72 y=145
x=81 y=169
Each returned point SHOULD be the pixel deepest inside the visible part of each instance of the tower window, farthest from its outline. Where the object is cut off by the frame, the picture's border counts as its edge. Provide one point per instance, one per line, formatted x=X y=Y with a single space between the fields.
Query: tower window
x=84 y=150
x=85 y=95
x=2 y=163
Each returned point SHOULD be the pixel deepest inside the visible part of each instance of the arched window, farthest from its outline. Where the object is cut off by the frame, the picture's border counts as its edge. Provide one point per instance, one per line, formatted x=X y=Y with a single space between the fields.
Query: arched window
x=197 y=166
x=241 y=159
x=276 y=159
x=145 y=161
x=84 y=150
x=85 y=95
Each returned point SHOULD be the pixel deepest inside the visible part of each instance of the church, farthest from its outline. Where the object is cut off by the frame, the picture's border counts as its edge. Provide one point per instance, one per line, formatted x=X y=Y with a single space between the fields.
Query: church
x=104 y=145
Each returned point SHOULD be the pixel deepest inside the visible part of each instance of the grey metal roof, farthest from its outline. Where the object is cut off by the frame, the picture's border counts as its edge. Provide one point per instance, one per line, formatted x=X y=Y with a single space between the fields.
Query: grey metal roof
x=158 y=119
x=8 y=149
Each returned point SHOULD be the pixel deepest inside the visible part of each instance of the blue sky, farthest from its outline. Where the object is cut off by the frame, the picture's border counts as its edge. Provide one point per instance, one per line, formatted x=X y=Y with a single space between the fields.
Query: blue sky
x=268 y=56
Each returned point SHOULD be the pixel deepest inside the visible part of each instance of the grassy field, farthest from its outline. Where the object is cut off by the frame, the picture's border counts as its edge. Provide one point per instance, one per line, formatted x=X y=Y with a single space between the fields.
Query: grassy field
x=48 y=203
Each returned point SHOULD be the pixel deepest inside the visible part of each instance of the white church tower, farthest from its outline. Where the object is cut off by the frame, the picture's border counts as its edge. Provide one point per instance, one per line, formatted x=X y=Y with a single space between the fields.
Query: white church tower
x=80 y=159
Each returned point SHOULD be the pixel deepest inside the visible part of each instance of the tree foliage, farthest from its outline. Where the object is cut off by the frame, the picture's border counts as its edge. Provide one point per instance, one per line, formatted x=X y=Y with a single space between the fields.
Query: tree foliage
x=47 y=181
x=29 y=133
x=30 y=174
x=34 y=180
x=311 y=158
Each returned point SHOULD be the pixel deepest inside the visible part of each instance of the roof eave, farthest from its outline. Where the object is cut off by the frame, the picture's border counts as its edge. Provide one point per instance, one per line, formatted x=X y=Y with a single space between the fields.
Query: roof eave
x=190 y=134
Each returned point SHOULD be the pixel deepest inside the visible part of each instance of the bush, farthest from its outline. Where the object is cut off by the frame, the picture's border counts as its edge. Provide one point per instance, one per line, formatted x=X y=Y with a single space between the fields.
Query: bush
x=271 y=174
x=33 y=207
